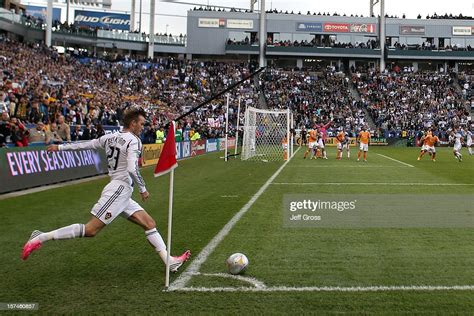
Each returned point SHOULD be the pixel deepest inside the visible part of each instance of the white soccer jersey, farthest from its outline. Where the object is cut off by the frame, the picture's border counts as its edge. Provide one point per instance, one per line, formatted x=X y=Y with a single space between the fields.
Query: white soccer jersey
x=457 y=140
x=123 y=150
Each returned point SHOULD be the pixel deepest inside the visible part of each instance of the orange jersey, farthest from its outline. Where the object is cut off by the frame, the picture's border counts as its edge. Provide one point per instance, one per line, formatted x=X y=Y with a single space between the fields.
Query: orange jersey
x=364 y=137
x=313 y=135
x=425 y=140
x=426 y=137
x=431 y=140
x=340 y=137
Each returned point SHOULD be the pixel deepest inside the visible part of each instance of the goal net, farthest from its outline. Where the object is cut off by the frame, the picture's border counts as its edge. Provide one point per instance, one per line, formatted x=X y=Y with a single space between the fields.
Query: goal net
x=267 y=135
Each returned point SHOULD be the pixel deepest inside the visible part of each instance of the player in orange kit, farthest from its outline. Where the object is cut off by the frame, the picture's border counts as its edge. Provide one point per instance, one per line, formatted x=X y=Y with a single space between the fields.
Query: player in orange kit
x=431 y=141
x=364 y=139
x=423 y=141
x=341 y=143
x=312 y=144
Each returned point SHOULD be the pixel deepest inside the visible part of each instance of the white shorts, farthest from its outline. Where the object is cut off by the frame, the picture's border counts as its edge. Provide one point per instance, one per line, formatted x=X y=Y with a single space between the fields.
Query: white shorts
x=313 y=145
x=457 y=147
x=342 y=146
x=469 y=143
x=430 y=149
x=364 y=147
x=115 y=200
x=423 y=148
x=321 y=144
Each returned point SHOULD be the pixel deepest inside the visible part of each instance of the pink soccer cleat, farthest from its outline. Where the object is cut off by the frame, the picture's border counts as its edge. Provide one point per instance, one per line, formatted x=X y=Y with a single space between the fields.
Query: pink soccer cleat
x=31 y=245
x=177 y=262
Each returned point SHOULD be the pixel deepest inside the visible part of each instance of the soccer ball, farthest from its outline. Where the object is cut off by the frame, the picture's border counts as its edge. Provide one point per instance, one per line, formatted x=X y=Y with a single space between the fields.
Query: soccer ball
x=237 y=263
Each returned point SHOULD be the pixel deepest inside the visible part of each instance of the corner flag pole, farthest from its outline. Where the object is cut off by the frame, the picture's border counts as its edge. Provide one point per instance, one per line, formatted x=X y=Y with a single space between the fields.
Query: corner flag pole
x=170 y=224
x=167 y=163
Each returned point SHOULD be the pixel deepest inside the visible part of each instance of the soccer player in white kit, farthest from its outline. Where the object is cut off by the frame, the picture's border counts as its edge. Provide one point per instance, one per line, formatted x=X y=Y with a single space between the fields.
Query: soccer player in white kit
x=321 y=145
x=469 y=141
x=347 y=145
x=123 y=150
x=458 y=141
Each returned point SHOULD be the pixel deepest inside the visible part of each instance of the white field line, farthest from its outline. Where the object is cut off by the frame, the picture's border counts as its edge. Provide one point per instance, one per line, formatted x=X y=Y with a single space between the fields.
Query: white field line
x=373 y=183
x=195 y=265
x=401 y=162
x=256 y=283
x=409 y=288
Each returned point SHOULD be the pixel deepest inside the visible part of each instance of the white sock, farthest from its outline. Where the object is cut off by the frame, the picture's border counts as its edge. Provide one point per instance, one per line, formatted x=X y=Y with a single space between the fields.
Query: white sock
x=154 y=238
x=470 y=150
x=67 y=232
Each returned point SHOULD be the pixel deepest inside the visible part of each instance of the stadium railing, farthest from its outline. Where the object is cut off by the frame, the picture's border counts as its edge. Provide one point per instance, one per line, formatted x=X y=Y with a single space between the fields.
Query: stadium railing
x=333 y=51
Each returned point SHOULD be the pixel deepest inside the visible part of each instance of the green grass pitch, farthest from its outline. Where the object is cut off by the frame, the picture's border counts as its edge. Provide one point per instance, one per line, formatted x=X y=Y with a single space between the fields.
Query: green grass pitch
x=118 y=272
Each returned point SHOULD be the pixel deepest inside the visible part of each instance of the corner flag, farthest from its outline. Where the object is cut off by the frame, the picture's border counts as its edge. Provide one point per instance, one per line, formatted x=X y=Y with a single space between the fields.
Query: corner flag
x=167 y=161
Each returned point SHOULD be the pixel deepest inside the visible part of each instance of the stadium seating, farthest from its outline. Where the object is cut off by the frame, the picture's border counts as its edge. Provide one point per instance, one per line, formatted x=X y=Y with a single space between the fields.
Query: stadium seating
x=37 y=85
x=412 y=101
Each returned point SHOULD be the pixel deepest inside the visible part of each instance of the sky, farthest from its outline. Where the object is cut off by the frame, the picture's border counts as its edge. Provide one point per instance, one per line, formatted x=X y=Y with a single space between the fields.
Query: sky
x=411 y=8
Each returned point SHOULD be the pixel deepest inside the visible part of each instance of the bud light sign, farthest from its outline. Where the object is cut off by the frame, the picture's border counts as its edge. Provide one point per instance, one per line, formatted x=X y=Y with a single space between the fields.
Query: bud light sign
x=103 y=20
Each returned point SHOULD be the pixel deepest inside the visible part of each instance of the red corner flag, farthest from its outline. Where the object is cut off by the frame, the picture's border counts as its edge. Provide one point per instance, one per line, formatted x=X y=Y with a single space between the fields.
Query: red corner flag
x=167 y=161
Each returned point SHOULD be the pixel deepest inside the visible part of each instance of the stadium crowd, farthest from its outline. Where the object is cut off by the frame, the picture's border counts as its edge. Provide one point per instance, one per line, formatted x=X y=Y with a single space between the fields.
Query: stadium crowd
x=430 y=46
x=37 y=86
x=405 y=100
x=42 y=101
x=331 y=42
x=315 y=42
x=315 y=98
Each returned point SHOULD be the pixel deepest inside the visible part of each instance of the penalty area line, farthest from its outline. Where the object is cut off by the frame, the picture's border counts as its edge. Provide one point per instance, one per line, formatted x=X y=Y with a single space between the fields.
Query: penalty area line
x=401 y=162
x=410 y=288
x=195 y=265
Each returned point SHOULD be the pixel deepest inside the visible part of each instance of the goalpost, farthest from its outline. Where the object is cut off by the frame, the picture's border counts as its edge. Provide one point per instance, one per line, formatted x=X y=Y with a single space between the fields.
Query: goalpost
x=267 y=135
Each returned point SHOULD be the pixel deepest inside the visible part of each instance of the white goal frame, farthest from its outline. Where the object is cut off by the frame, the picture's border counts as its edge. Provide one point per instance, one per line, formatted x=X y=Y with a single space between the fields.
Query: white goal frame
x=267 y=135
